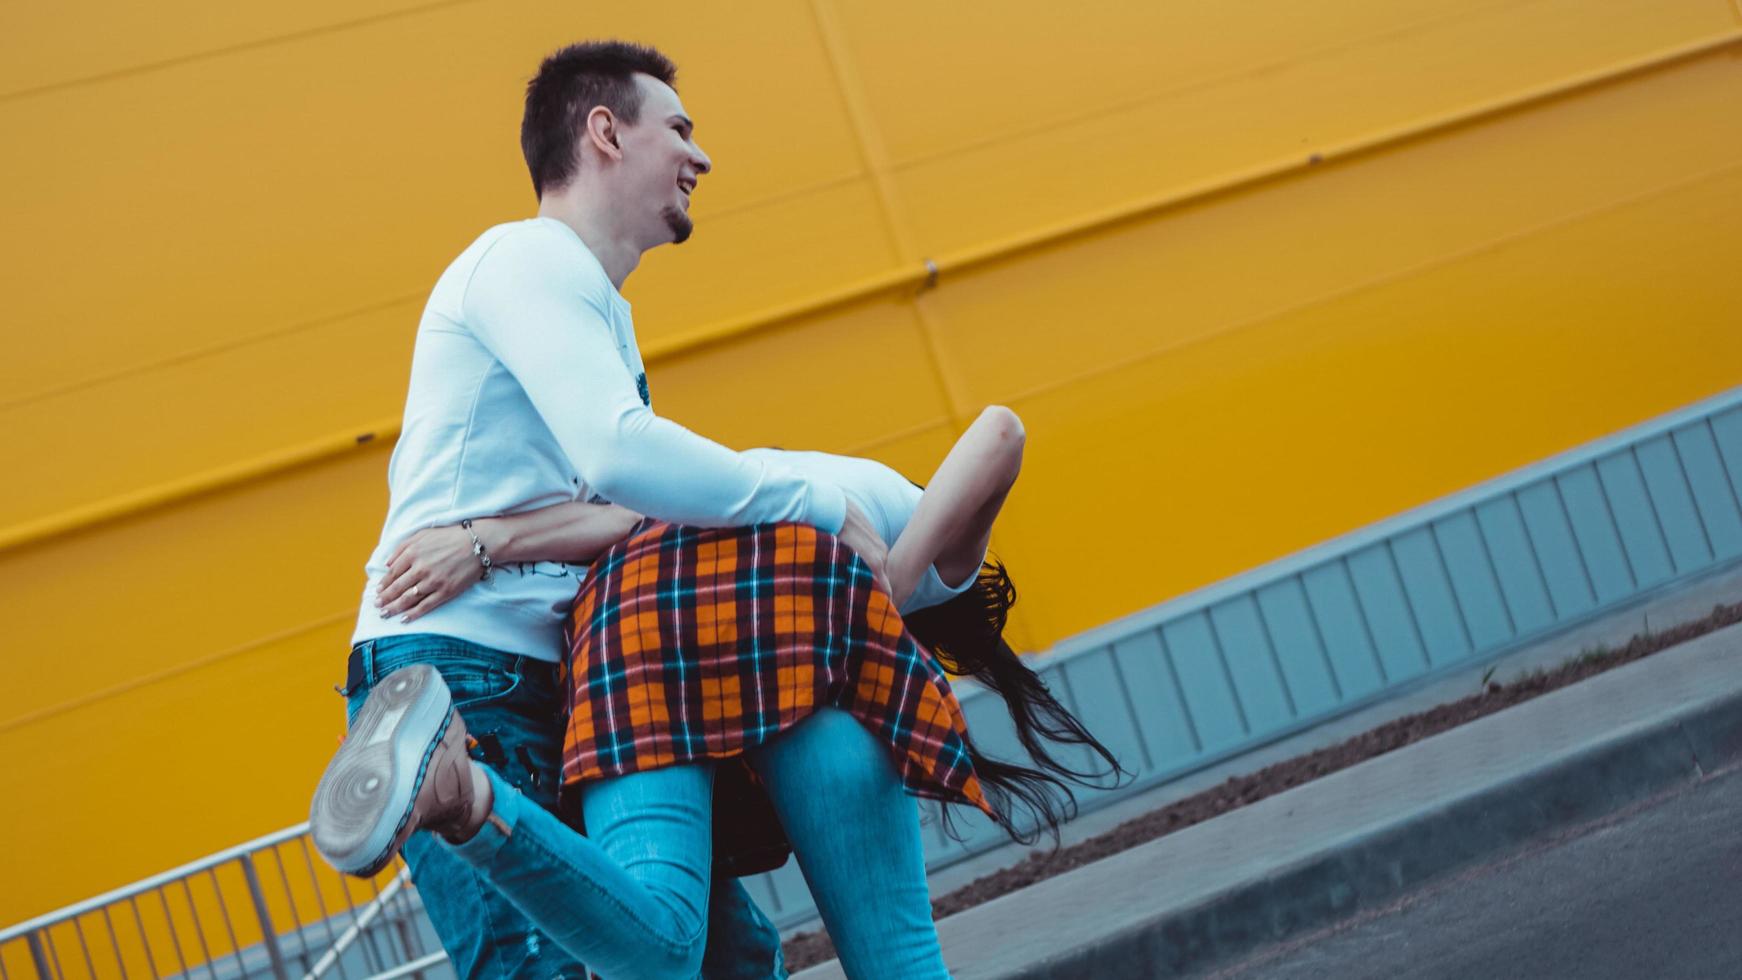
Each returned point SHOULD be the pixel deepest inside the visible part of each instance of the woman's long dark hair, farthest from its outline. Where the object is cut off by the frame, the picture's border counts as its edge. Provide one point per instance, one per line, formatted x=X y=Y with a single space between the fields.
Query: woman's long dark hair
x=966 y=635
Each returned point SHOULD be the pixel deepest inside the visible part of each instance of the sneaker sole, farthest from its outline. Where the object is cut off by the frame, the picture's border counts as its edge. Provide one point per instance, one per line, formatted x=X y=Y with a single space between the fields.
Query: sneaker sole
x=363 y=805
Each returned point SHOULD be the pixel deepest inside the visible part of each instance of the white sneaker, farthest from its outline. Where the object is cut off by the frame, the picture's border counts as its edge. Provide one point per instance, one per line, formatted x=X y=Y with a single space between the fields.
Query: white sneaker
x=402 y=768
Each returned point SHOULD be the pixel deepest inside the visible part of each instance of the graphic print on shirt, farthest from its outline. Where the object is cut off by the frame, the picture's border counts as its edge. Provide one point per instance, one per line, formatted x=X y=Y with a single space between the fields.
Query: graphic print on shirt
x=545 y=569
x=641 y=387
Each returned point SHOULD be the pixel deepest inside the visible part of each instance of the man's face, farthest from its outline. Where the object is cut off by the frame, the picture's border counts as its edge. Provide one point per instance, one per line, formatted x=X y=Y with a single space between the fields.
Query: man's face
x=661 y=165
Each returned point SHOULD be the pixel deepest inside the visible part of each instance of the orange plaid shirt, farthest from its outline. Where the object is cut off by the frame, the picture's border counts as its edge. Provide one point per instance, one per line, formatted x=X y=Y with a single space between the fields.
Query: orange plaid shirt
x=699 y=643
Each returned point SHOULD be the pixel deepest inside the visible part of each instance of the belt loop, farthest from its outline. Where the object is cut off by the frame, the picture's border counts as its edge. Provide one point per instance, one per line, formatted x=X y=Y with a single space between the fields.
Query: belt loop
x=368 y=653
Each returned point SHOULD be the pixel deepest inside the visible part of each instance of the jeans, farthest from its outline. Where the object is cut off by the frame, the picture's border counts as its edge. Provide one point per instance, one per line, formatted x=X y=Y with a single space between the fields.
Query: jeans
x=629 y=898
x=513 y=706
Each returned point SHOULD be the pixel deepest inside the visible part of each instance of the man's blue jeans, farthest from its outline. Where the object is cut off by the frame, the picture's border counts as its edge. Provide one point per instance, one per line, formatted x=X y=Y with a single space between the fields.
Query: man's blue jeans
x=513 y=706
x=630 y=896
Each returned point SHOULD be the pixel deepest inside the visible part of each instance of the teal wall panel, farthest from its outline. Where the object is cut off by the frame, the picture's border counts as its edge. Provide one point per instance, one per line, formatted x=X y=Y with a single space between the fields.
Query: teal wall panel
x=1440 y=622
x=1298 y=648
x=1636 y=521
x=1385 y=607
x=1204 y=679
x=1523 y=586
x=1666 y=481
x=1348 y=639
x=1714 y=496
x=1240 y=637
x=1152 y=688
x=1557 y=548
x=1475 y=586
x=1600 y=549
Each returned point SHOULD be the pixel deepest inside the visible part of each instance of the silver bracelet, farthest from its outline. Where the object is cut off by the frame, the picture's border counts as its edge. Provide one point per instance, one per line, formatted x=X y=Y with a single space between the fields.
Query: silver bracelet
x=478 y=549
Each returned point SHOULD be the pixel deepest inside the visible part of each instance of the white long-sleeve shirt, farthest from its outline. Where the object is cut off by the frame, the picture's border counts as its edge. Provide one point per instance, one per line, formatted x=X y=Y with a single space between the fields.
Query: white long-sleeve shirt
x=885 y=497
x=527 y=389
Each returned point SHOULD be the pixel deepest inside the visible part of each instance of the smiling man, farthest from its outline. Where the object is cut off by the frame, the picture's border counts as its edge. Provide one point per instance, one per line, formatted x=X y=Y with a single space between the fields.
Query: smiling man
x=527 y=389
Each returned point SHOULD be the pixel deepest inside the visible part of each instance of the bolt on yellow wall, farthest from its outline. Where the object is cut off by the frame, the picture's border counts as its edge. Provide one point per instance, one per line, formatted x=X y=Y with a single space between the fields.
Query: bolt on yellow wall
x=221 y=221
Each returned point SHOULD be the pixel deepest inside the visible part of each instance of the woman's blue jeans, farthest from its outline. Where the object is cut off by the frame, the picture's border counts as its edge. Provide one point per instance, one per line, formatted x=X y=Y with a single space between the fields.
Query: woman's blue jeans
x=630 y=898
x=514 y=707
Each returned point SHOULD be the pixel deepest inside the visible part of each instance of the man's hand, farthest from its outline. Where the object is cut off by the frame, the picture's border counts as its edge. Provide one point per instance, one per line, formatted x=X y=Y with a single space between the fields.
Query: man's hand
x=857 y=534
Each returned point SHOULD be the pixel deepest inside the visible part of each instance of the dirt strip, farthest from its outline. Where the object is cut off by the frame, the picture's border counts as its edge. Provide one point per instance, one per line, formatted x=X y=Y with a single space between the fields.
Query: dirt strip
x=810 y=948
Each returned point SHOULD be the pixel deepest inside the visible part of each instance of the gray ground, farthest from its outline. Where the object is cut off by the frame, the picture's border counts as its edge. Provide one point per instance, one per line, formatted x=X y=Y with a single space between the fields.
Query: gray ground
x=1655 y=893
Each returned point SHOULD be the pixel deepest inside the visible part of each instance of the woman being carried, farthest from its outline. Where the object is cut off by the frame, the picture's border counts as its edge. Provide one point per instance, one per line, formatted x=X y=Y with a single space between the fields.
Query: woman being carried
x=739 y=665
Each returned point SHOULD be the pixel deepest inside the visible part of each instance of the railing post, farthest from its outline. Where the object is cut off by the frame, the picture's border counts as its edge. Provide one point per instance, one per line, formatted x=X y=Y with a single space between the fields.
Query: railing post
x=36 y=953
x=268 y=933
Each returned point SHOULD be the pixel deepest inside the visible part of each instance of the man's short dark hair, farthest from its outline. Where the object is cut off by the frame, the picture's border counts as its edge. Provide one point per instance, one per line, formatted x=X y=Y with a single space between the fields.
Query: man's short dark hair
x=568 y=85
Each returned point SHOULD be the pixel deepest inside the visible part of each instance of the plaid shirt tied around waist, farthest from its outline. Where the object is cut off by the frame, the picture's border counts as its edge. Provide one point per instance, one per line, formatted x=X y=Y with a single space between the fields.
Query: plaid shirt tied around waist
x=693 y=643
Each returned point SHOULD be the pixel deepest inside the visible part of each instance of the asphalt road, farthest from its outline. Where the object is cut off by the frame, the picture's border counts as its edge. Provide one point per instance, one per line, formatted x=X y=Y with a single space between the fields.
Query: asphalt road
x=1653 y=895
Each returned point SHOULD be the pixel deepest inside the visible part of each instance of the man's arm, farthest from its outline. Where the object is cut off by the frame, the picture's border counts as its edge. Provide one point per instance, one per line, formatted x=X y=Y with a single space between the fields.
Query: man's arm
x=534 y=304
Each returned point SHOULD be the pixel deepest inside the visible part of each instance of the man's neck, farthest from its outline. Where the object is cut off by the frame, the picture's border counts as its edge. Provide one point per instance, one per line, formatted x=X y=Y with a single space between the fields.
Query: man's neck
x=615 y=251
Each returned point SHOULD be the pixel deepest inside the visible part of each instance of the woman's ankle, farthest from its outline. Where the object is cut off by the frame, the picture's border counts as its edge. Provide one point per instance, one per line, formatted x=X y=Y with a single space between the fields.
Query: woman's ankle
x=482 y=802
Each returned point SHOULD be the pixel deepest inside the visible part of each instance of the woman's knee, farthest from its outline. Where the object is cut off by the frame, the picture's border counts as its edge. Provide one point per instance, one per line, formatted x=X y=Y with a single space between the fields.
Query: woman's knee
x=670 y=963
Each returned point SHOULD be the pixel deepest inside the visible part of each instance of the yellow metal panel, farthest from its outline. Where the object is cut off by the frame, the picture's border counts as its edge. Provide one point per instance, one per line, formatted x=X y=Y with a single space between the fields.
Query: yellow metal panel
x=1236 y=260
x=192 y=415
x=325 y=376
x=227 y=197
x=49 y=44
x=681 y=288
x=834 y=382
x=1212 y=458
x=145 y=598
x=1034 y=65
x=1098 y=154
x=757 y=257
x=162 y=773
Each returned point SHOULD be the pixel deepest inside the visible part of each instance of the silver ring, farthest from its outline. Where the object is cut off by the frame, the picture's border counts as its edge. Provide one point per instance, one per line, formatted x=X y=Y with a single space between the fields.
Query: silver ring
x=416 y=591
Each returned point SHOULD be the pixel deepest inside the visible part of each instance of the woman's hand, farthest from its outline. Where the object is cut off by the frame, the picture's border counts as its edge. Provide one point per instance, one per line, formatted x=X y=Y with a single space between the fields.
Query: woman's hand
x=429 y=568
x=437 y=563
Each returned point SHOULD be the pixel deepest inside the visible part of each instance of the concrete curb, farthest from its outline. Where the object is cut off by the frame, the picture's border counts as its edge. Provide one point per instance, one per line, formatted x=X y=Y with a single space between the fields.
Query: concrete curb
x=1363 y=837
x=1379 y=866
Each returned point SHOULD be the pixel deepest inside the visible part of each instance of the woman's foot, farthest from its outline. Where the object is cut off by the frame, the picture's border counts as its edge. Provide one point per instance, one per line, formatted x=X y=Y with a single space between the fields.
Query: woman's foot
x=402 y=768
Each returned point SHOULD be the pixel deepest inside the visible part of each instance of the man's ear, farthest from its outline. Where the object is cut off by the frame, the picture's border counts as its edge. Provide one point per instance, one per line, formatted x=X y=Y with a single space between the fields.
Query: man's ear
x=602 y=132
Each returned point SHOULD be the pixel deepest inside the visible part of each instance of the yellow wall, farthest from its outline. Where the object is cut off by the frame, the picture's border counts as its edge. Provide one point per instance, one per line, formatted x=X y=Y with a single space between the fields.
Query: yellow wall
x=220 y=222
